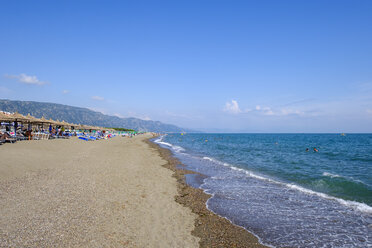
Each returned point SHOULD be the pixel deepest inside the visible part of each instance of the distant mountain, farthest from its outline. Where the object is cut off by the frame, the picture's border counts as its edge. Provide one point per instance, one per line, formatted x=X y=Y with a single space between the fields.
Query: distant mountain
x=84 y=116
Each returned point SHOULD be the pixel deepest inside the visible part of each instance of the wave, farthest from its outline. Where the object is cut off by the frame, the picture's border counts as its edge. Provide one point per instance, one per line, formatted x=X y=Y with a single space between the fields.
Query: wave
x=249 y=173
x=362 y=207
x=174 y=147
x=327 y=174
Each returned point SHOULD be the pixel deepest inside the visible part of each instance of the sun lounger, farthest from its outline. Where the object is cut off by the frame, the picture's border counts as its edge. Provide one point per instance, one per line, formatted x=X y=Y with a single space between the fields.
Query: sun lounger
x=10 y=140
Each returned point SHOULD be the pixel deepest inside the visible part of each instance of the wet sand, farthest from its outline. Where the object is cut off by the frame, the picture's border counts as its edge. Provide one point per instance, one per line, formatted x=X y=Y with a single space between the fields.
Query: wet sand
x=213 y=230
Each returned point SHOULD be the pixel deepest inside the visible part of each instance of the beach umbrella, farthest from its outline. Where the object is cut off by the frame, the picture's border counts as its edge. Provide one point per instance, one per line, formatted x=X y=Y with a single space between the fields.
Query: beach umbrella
x=43 y=120
x=66 y=124
x=19 y=117
x=72 y=125
x=32 y=119
x=82 y=126
x=58 y=122
x=90 y=127
x=63 y=123
x=5 y=117
x=53 y=122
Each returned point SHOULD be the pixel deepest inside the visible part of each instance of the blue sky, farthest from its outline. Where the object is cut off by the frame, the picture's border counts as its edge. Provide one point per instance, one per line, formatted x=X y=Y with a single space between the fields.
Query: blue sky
x=227 y=66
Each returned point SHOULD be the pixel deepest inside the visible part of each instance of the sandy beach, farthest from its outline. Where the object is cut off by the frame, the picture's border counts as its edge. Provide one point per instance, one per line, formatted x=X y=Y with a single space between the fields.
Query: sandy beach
x=71 y=193
x=123 y=192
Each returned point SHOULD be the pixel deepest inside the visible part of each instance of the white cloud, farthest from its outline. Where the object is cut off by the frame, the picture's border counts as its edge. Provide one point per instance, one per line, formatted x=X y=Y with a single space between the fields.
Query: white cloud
x=65 y=92
x=278 y=112
x=232 y=107
x=98 y=98
x=26 y=79
x=264 y=110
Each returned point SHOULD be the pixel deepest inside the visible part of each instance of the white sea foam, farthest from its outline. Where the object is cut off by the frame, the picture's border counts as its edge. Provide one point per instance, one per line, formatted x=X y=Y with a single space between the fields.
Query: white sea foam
x=362 y=207
x=249 y=173
x=327 y=174
x=210 y=159
x=353 y=204
x=174 y=147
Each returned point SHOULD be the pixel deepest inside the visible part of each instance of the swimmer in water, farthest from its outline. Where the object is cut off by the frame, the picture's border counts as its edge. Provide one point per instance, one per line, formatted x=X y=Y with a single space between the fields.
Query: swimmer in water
x=307 y=149
x=315 y=150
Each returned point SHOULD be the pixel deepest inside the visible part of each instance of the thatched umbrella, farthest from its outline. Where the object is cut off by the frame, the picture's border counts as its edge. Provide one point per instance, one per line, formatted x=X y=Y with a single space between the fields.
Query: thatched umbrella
x=85 y=127
x=53 y=122
x=33 y=120
x=79 y=126
x=19 y=117
x=43 y=120
x=92 y=127
x=66 y=124
x=75 y=125
x=5 y=117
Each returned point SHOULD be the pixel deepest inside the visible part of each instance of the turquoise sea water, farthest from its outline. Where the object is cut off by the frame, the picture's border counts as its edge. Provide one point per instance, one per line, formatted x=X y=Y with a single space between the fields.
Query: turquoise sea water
x=288 y=197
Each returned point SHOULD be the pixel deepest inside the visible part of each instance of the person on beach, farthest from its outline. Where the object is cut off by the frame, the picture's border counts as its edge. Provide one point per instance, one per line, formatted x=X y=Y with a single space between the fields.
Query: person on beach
x=15 y=127
x=4 y=136
x=28 y=134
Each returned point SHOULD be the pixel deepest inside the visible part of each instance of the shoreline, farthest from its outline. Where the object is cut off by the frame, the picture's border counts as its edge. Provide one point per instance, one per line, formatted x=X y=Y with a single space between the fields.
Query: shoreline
x=212 y=229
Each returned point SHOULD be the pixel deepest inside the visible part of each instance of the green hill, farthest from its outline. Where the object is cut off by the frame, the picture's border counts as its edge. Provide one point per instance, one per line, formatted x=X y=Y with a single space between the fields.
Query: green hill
x=84 y=116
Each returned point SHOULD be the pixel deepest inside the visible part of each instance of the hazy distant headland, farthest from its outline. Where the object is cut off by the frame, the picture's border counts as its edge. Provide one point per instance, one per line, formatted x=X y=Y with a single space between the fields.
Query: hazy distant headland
x=85 y=116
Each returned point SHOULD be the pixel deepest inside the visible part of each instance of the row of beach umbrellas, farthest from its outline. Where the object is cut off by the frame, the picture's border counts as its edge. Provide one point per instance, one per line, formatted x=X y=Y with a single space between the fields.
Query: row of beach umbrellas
x=28 y=119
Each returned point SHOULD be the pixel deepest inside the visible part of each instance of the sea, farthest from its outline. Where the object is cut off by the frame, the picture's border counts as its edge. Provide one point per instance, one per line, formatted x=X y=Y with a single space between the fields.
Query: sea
x=275 y=188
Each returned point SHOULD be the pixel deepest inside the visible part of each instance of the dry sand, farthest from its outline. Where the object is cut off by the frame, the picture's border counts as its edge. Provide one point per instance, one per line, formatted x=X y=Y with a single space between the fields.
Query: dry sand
x=107 y=193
